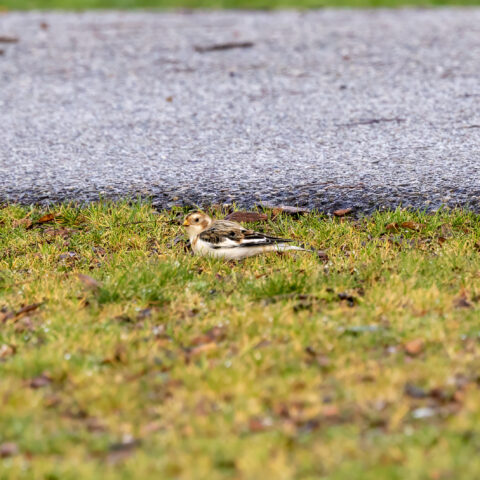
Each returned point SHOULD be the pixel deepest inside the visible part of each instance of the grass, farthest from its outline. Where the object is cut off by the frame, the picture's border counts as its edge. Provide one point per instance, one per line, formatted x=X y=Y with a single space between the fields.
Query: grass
x=158 y=364
x=242 y=4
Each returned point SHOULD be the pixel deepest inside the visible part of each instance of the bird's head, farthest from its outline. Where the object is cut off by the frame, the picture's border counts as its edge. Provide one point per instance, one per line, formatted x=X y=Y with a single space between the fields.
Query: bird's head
x=196 y=222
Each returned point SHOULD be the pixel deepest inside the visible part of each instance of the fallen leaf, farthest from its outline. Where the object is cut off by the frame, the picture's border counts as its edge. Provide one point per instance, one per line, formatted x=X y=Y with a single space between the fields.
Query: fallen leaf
x=151 y=427
x=6 y=39
x=88 y=281
x=62 y=232
x=23 y=222
x=315 y=358
x=7 y=350
x=257 y=425
x=262 y=344
x=6 y=315
x=201 y=349
x=462 y=301
x=8 y=449
x=414 y=347
x=215 y=334
x=46 y=218
x=246 y=217
x=94 y=424
x=67 y=256
x=119 y=356
x=41 y=381
x=413 y=225
x=24 y=310
x=342 y=212
x=330 y=411
x=322 y=255
x=392 y=227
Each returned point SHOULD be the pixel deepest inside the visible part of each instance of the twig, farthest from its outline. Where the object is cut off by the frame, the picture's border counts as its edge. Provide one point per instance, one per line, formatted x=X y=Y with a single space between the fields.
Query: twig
x=370 y=121
x=223 y=46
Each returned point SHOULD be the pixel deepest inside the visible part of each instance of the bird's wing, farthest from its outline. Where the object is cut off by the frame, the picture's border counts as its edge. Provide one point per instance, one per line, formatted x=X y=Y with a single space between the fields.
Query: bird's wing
x=225 y=234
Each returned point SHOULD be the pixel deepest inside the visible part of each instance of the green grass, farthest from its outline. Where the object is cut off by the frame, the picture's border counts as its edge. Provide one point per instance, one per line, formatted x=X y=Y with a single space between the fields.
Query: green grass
x=164 y=365
x=242 y=4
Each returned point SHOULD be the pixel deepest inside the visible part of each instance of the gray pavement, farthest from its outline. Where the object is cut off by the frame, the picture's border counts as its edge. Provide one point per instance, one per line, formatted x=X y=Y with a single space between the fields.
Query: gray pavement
x=327 y=109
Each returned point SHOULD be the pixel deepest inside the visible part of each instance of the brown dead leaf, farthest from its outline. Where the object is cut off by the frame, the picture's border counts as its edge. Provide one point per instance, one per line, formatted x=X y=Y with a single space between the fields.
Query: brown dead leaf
x=88 y=281
x=322 y=255
x=215 y=334
x=94 y=424
x=151 y=427
x=330 y=411
x=41 y=381
x=257 y=425
x=6 y=315
x=8 y=39
x=61 y=232
x=119 y=355
x=413 y=226
x=49 y=217
x=7 y=350
x=23 y=222
x=246 y=217
x=22 y=312
x=8 y=449
x=414 y=347
x=392 y=227
x=201 y=349
x=462 y=300
x=316 y=358
x=342 y=212
x=52 y=401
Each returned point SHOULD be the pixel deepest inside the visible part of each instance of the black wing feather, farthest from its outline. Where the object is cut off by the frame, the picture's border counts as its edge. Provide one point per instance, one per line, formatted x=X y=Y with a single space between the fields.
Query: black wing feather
x=220 y=231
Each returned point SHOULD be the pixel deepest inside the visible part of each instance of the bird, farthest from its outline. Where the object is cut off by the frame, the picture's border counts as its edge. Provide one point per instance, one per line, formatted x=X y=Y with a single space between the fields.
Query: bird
x=230 y=240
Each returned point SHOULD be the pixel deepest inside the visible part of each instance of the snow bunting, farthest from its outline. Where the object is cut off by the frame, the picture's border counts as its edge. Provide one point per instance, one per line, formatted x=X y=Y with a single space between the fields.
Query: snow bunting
x=229 y=240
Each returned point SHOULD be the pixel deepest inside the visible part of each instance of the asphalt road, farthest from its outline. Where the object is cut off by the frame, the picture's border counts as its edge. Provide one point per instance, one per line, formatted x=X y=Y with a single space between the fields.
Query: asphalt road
x=327 y=109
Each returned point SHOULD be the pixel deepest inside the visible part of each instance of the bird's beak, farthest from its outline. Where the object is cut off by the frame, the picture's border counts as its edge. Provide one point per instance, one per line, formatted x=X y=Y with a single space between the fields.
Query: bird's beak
x=185 y=223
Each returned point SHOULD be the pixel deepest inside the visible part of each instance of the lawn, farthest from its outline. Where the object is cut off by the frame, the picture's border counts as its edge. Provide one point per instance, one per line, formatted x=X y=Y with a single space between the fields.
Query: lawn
x=123 y=356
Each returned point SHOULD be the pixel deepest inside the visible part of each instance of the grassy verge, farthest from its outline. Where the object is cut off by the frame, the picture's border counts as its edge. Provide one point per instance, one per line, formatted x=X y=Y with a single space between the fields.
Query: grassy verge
x=158 y=364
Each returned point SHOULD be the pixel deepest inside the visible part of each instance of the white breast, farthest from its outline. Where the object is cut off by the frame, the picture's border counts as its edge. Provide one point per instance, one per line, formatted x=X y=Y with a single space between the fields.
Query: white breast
x=203 y=248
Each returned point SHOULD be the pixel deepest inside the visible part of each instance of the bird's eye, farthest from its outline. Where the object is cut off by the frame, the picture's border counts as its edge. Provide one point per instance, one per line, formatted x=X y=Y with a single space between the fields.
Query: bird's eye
x=197 y=219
